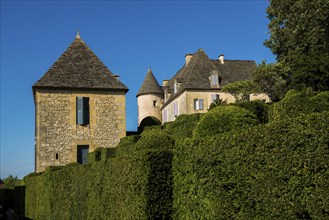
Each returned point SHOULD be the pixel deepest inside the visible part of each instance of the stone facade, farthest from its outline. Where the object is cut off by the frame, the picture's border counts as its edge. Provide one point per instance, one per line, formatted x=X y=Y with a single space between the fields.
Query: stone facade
x=57 y=133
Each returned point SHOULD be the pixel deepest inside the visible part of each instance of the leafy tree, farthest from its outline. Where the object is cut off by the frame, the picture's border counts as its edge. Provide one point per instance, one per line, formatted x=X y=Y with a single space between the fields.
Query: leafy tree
x=11 y=182
x=300 y=39
x=271 y=79
x=217 y=103
x=240 y=90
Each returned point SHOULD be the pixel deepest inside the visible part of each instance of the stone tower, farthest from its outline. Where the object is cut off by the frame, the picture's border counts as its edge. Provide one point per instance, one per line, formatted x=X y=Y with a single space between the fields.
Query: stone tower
x=79 y=106
x=149 y=98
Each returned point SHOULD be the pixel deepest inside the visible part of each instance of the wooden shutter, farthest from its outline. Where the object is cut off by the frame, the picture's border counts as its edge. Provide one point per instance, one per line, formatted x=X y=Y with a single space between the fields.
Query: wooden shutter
x=82 y=111
x=214 y=79
x=175 y=109
x=79 y=111
x=201 y=104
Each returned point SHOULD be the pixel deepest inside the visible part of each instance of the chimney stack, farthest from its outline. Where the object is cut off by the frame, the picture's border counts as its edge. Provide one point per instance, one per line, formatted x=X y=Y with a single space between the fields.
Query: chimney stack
x=187 y=58
x=221 y=58
x=117 y=76
x=164 y=82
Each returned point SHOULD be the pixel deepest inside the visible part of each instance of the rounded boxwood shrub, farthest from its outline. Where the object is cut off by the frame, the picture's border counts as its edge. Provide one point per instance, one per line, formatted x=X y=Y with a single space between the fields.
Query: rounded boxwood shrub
x=260 y=109
x=297 y=103
x=224 y=119
x=148 y=121
x=155 y=140
x=183 y=126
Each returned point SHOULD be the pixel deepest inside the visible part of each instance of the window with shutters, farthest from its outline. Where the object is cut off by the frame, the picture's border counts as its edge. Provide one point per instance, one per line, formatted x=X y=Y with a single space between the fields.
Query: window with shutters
x=82 y=111
x=214 y=97
x=198 y=104
x=175 y=109
x=165 y=119
x=214 y=79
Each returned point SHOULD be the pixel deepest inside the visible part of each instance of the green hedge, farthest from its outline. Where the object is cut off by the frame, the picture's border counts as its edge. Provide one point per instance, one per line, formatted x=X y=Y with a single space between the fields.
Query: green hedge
x=123 y=186
x=223 y=119
x=258 y=108
x=297 y=103
x=183 y=126
x=274 y=171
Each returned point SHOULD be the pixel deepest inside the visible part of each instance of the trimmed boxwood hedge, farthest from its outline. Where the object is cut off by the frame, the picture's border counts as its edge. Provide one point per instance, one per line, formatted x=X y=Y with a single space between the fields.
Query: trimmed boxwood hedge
x=274 y=171
x=223 y=119
x=183 y=126
x=134 y=185
x=258 y=108
x=297 y=103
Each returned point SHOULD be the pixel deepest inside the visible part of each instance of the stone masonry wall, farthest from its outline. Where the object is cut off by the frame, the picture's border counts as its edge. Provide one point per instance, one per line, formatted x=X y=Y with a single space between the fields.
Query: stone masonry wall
x=54 y=130
x=58 y=133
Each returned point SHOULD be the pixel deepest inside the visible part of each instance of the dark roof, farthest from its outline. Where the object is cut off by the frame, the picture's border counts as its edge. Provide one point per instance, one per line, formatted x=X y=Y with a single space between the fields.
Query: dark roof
x=79 y=68
x=235 y=70
x=195 y=75
x=150 y=85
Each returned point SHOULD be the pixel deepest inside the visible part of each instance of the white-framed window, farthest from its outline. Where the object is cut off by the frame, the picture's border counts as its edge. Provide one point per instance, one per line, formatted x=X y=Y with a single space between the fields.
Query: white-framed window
x=175 y=86
x=198 y=104
x=82 y=110
x=155 y=103
x=214 y=78
x=175 y=109
x=165 y=117
x=214 y=97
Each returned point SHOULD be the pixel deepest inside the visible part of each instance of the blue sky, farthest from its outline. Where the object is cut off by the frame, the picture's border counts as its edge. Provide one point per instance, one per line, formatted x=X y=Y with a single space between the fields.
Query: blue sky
x=128 y=36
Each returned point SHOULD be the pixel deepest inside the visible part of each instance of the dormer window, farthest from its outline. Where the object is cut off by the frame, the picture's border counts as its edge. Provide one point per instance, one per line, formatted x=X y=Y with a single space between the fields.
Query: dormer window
x=214 y=79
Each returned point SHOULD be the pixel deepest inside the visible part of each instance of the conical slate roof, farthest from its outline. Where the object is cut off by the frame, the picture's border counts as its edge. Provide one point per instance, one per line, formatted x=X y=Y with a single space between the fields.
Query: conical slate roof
x=79 y=68
x=150 y=85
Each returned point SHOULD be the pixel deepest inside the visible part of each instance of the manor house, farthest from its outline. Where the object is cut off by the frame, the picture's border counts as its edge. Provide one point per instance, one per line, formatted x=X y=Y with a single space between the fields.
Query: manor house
x=79 y=106
x=194 y=87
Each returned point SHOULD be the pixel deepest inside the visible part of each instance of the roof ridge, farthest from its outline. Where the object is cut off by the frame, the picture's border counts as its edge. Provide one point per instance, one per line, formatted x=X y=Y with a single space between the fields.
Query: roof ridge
x=78 y=67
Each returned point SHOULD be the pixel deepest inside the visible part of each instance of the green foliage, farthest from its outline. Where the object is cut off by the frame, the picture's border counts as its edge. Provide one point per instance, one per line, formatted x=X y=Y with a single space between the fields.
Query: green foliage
x=271 y=79
x=155 y=140
x=135 y=184
x=258 y=108
x=183 y=126
x=275 y=171
x=148 y=121
x=240 y=90
x=217 y=103
x=220 y=120
x=10 y=182
x=299 y=38
x=297 y=103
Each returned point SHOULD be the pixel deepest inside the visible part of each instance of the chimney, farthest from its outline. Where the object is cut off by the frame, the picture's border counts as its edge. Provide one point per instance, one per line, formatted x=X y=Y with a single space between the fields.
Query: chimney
x=164 y=82
x=117 y=76
x=221 y=58
x=187 y=58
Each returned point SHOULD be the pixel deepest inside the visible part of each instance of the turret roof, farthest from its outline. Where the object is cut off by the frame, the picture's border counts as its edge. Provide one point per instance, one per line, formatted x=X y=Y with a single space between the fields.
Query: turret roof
x=150 y=85
x=79 y=68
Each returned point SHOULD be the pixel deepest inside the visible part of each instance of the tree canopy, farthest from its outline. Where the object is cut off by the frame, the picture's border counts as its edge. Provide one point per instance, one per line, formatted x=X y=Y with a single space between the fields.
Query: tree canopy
x=299 y=37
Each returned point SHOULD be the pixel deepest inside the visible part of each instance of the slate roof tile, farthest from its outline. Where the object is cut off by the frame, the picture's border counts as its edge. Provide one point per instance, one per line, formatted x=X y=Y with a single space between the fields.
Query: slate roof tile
x=79 y=68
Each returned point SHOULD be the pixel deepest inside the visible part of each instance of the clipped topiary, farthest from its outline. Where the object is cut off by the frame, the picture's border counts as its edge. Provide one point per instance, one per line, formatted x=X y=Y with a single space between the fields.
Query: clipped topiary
x=298 y=103
x=260 y=109
x=148 y=121
x=183 y=126
x=224 y=119
x=155 y=140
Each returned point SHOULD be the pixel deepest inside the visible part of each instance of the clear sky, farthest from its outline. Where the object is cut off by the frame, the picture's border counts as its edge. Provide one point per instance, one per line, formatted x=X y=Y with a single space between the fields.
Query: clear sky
x=128 y=36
